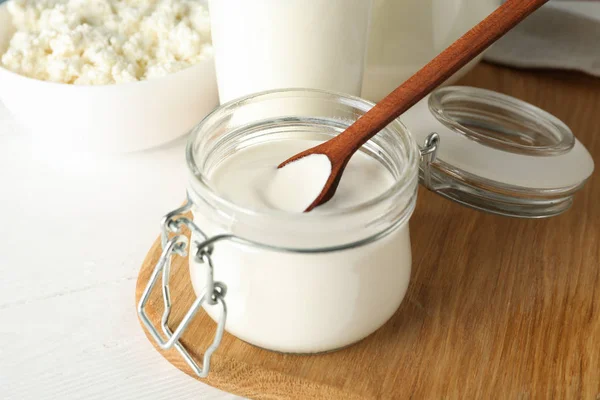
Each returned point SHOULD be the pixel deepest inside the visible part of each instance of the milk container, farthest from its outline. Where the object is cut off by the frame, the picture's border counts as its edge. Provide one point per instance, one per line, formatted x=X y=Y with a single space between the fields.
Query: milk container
x=273 y=44
x=404 y=35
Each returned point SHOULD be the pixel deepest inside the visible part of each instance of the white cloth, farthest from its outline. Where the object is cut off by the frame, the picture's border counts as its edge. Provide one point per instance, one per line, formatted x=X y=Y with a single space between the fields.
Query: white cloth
x=560 y=35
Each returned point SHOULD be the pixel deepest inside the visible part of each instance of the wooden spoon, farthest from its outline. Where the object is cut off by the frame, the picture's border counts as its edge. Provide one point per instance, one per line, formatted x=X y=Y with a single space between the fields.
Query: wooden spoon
x=340 y=149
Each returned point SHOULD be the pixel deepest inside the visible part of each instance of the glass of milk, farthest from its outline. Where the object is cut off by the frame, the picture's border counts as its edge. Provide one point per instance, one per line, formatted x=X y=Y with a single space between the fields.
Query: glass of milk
x=272 y=44
x=404 y=35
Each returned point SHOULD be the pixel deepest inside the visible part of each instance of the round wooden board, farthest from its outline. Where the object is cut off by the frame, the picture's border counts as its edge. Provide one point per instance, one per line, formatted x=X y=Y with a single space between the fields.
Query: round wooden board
x=236 y=367
x=497 y=307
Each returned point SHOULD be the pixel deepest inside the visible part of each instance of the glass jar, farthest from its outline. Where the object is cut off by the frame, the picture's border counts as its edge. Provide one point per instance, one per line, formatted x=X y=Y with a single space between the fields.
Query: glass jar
x=274 y=44
x=316 y=282
x=303 y=283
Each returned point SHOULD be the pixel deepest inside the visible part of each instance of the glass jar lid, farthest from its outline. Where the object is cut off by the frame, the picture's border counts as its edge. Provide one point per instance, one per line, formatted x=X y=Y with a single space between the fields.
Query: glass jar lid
x=498 y=154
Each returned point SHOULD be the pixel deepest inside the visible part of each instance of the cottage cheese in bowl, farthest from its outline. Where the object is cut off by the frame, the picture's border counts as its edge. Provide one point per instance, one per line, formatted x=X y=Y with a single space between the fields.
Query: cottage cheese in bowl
x=99 y=42
x=106 y=76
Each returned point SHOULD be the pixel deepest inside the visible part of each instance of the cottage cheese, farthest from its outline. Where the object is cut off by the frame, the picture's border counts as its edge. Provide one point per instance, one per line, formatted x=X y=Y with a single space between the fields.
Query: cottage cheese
x=97 y=42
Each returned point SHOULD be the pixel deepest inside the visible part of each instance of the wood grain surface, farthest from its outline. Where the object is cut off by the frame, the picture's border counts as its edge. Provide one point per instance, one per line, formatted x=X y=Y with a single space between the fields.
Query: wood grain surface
x=497 y=307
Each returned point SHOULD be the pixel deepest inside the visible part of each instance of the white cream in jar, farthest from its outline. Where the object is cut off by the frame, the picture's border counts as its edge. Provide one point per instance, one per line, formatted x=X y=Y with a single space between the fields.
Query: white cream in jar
x=304 y=303
x=301 y=282
x=250 y=178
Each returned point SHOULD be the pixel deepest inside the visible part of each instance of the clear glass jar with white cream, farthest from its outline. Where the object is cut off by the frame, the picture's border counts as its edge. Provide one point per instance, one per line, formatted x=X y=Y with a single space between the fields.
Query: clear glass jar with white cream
x=320 y=281
x=303 y=282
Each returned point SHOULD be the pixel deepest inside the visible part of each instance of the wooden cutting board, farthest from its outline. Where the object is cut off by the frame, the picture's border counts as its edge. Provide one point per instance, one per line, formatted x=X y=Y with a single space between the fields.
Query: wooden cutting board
x=497 y=307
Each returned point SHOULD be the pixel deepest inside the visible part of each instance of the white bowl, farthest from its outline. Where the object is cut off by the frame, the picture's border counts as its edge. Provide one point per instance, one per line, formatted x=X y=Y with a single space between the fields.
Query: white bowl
x=109 y=118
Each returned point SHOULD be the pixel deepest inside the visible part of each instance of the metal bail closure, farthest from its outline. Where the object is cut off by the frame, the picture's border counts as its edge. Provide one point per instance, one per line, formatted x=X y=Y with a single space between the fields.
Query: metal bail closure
x=214 y=292
x=428 y=154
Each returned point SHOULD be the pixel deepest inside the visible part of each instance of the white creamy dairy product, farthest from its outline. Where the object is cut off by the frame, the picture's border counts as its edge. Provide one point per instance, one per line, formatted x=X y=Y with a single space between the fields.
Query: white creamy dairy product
x=96 y=42
x=310 y=301
x=270 y=44
x=250 y=178
x=295 y=186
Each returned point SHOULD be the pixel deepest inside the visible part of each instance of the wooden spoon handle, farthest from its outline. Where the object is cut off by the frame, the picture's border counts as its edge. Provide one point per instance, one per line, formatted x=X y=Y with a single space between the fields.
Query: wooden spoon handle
x=437 y=71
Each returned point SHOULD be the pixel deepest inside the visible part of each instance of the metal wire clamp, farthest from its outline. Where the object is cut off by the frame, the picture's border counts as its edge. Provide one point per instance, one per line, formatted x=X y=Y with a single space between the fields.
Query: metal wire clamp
x=213 y=293
x=428 y=155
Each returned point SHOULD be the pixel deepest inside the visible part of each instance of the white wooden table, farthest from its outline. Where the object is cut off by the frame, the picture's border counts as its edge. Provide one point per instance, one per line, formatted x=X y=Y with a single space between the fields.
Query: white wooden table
x=73 y=233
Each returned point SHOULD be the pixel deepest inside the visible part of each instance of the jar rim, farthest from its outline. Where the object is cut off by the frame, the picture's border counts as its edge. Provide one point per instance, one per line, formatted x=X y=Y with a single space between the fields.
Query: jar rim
x=400 y=182
x=405 y=180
